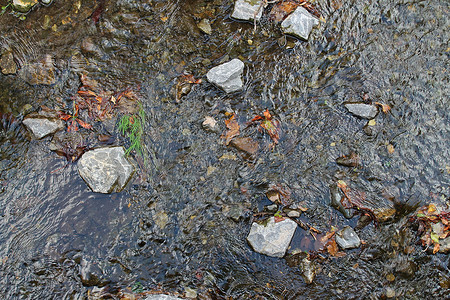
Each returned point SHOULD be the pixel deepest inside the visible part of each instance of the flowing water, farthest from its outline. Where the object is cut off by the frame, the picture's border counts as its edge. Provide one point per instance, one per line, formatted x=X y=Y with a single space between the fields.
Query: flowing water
x=170 y=228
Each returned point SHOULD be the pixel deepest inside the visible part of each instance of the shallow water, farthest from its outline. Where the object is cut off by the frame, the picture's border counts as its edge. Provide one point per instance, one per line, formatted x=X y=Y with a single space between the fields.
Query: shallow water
x=169 y=228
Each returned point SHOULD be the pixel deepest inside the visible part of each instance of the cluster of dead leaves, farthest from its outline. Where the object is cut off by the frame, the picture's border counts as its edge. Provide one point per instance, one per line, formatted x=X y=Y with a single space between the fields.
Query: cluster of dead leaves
x=434 y=225
x=97 y=103
x=329 y=244
x=271 y=126
x=284 y=8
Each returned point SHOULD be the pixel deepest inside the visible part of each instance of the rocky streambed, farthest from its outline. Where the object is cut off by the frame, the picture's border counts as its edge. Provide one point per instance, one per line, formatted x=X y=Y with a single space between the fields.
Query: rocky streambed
x=227 y=149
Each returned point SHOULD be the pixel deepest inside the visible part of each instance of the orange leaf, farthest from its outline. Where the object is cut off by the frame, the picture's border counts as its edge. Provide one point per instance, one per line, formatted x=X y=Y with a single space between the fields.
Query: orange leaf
x=64 y=116
x=87 y=93
x=233 y=129
x=436 y=248
x=384 y=107
x=332 y=247
x=84 y=124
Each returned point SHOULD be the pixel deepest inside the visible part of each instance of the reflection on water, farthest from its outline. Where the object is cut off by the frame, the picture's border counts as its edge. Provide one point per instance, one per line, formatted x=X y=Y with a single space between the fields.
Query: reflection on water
x=171 y=226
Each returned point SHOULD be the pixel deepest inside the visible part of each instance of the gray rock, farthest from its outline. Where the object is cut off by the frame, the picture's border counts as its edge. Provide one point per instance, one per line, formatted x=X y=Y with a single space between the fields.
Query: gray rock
x=362 y=110
x=23 y=5
x=227 y=76
x=246 y=10
x=105 y=170
x=210 y=124
x=444 y=245
x=293 y=214
x=309 y=270
x=7 y=64
x=336 y=197
x=272 y=239
x=41 y=127
x=162 y=297
x=347 y=238
x=299 y=23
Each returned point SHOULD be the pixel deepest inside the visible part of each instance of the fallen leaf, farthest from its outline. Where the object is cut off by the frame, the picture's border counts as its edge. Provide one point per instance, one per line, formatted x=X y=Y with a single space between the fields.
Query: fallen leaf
x=332 y=247
x=384 y=107
x=436 y=248
x=233 y=129
x=390 y=148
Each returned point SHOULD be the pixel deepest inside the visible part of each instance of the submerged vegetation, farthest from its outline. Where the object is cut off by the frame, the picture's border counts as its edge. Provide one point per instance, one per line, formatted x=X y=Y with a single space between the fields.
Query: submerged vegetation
x=132 y=127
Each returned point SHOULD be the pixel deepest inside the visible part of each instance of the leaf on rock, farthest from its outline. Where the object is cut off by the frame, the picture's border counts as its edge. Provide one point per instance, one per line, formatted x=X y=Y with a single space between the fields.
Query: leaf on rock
x=282 y=9
x=233 y=129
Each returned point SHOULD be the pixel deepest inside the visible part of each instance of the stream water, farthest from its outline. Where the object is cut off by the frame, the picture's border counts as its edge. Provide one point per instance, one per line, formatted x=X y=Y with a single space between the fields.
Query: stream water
x=170 y=228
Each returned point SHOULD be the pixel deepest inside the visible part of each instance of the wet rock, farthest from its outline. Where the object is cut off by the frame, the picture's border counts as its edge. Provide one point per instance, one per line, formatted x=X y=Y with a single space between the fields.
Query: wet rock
x=7 y=64
x=210 y=124
x=204 y=26
x=41 y=124
x=161 y=219
x=105 y=170
x=405 y=267
x=347 y=238
x=271 y=238
x=247 y=9
x=444 y=245
x=362 y=110
x=162 y=297
x=299 y=23
x=190 y=293
x=336 y=196
x=390 y=292
x=41 y=72
x=351 y=160
x=227 y=76
x=90 y=274
x=88 y=46
x=309 y=270
x=23 y=5
x=293 y=214
x=234 y=212
x=246 y=145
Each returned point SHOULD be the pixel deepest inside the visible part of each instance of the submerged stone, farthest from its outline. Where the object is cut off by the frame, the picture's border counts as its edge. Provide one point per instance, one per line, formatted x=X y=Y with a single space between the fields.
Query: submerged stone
x=23 y=5
x=227 y=76
x=7 y=63
x=105 y=170
x=247 y=10
x=41 y=126
x=362 y=110
x=347 y=238
x=272 y=239
x=299 y=23
x=40 y=72
x=204 y=26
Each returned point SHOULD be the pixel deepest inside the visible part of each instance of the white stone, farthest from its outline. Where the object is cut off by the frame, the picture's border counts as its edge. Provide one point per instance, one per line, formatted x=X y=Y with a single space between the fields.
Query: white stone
x=272 y=239
x=299 y=23
x=246 y=10
x=347 y=238
x=105 y=170
x=41 y=127
x=23 y=5
x=227 y=76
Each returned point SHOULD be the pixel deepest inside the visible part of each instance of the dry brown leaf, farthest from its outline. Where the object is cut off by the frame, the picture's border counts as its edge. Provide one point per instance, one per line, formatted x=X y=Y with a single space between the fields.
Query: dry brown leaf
x=384 y=107
x=233 y=129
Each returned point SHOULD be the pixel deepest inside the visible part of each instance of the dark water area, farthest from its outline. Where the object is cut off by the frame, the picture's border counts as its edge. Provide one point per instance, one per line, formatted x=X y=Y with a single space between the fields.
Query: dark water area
x=170 y=228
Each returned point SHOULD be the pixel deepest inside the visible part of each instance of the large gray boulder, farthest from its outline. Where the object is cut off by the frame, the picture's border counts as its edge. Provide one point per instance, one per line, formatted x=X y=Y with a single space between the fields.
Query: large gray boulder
x=272 y=238
x=299 y=23
x=105 y=170
x=41 y=126
x=227 y=76
x=247 y=9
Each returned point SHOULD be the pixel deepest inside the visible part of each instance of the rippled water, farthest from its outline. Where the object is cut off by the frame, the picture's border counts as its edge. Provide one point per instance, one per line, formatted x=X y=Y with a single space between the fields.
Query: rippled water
x=169 y=229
